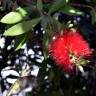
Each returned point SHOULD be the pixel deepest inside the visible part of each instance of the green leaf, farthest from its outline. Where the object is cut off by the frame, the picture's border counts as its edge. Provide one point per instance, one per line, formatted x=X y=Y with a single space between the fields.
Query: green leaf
x=49 y=24
x=46 y=7
x=51 y=75
x=21 y=28
x=39 y=4
x=29 y=94
x=15 y=88
x=14 y=17
x=93 y=14
x=45 y=44
x=19 y=41
x=42 y=71
x=70 y=10
x=57 y=5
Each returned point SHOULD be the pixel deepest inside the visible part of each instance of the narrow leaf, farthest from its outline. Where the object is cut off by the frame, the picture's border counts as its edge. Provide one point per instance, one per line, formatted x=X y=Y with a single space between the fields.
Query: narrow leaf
x=19 y=41
x=93 y=14
x=14 y=17
x=39 y=4
x=21 y=28
x=70 y=10
x=57 y=5
x=15 y=88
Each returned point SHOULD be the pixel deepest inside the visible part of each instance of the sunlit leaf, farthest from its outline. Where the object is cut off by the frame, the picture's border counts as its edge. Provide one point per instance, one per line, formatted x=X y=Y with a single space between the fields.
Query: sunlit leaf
x=70 y=10
x=22 y=83
x=25 y=80
x=19 y=41
x=15 y=88
x=21 y=28
x=15 y=16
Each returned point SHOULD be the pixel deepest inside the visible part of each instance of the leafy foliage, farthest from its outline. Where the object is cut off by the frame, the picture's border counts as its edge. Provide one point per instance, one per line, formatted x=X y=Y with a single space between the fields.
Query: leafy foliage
x=31 y=25
x=19 y=28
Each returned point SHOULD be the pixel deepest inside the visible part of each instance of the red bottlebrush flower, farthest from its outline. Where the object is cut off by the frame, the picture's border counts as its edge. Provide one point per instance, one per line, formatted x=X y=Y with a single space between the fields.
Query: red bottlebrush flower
x=58 y=51
x=76 y=44
x=70 y=43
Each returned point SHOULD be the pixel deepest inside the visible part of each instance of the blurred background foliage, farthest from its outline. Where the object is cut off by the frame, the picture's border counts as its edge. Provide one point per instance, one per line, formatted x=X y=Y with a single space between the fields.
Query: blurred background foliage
x=26 y=27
